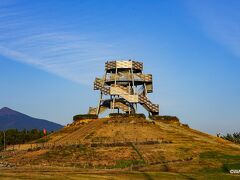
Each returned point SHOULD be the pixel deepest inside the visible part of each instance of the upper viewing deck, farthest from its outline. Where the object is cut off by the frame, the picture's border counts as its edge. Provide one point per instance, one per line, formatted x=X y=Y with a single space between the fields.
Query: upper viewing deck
x=123 y=65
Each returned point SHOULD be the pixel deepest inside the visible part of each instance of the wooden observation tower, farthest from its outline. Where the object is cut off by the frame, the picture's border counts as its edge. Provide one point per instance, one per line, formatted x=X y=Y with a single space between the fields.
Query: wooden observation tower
x=123 y=87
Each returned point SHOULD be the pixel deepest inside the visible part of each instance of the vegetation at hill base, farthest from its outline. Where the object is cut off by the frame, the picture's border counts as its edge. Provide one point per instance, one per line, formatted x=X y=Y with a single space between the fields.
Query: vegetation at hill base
x=14 y=136
x=235 y=137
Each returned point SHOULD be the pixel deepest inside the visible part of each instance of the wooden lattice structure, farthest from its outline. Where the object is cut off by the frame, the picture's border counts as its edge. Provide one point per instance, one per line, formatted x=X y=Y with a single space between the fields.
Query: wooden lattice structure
x=123 y=87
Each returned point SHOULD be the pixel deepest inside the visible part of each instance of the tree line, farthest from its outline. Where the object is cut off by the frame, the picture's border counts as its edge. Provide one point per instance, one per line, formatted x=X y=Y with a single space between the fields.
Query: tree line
x=235 y=137
x=14 y=136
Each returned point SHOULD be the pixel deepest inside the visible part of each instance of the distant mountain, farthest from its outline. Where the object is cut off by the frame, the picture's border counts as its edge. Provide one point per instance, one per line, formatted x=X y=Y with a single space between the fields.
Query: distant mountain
x=10 y=119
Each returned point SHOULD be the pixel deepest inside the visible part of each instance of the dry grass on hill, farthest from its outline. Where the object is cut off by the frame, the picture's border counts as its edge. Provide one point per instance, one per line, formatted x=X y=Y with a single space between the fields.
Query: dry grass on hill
x=130 y=144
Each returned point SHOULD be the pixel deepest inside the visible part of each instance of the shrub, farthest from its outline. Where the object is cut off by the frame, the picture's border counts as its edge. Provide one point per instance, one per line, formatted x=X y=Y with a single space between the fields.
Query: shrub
x=122 y=115
x=164 y=118
x=84 y=116
x=127 y=163
x=185 y=125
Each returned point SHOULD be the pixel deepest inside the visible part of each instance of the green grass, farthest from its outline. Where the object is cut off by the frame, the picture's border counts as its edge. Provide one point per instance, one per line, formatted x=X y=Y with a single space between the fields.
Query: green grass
x=127 y=163
x=218 y=155
x=139 y=154
x=228 y=167
x=227 y=162
x=42 y=140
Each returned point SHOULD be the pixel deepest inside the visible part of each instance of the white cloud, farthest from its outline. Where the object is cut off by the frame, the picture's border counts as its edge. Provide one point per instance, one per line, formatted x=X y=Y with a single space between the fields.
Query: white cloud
x=68 y=54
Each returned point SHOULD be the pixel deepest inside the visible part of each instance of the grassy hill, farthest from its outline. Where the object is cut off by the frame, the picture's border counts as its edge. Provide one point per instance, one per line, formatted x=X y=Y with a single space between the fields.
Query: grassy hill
x=129 y=144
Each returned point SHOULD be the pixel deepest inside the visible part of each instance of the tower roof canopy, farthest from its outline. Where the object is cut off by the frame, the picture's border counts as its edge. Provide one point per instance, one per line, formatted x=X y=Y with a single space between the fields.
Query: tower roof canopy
x=123 y=64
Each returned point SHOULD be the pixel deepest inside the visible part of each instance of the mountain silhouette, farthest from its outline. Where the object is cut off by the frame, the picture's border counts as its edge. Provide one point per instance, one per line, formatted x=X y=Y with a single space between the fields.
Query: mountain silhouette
x=11 y=119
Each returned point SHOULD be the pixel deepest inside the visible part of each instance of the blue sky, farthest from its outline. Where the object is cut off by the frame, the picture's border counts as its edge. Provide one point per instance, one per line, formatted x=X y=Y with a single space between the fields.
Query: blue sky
x=50 y=52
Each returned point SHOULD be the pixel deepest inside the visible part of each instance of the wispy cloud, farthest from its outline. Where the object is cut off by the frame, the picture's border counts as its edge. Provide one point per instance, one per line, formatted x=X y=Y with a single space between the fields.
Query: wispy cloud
x=68 y=54
x=220 y=20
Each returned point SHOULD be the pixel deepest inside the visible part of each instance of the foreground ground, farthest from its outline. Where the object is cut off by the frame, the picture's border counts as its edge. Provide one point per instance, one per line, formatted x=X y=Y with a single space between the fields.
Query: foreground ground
x=72 y=173
x=123 y=149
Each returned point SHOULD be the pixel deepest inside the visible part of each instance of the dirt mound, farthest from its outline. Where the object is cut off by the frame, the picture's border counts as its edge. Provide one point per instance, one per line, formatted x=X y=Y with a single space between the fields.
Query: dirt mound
x=134 y=143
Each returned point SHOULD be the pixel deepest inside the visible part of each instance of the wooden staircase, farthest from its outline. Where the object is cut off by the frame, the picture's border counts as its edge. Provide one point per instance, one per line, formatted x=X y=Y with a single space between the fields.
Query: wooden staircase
x=125 y=94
